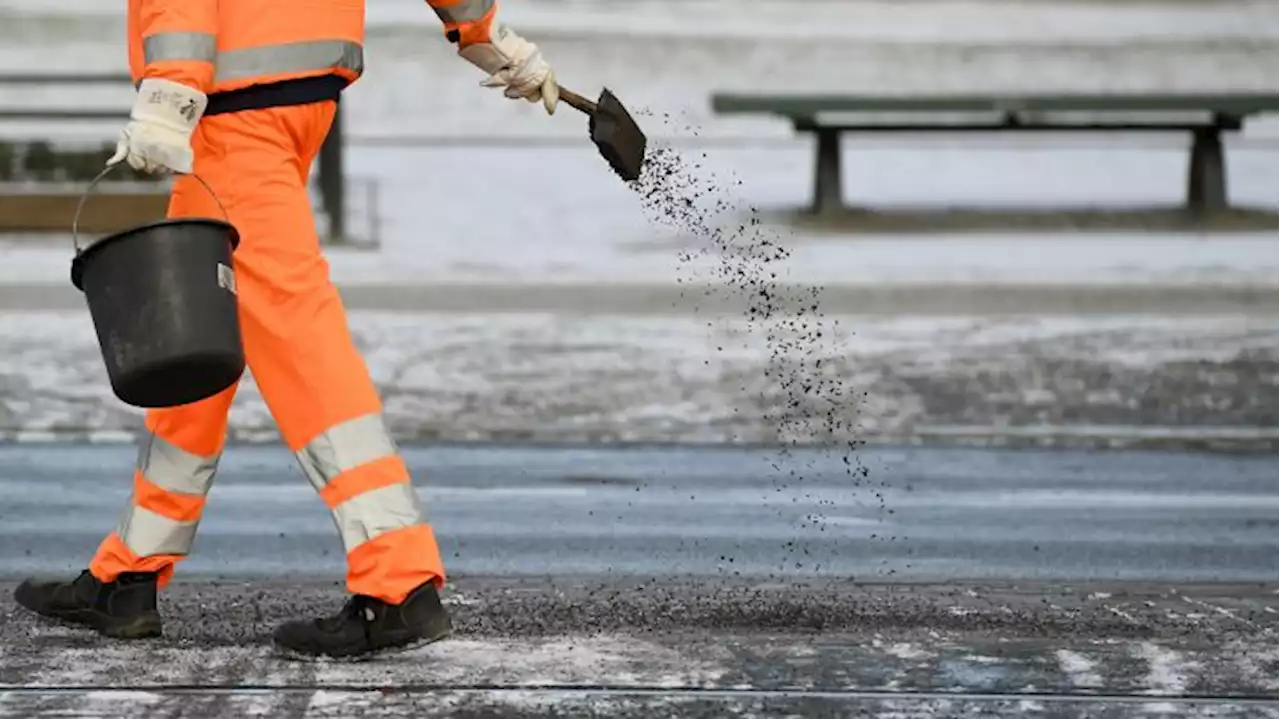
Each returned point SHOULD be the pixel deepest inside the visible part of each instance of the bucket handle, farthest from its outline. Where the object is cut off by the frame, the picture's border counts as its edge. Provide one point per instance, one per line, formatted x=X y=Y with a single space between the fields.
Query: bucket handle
x=75 y=222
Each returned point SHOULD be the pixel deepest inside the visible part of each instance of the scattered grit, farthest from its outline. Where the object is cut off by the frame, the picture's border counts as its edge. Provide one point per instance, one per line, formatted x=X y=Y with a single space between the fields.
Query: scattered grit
x=810 y=403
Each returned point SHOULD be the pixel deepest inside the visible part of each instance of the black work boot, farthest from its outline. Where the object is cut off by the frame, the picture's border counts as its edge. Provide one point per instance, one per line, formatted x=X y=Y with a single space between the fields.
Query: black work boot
x=366 y=626
x=123 y=609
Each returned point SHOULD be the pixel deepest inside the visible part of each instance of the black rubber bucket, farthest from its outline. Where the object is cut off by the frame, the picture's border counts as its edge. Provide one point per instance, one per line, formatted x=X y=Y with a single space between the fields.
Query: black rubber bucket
x=163 y=301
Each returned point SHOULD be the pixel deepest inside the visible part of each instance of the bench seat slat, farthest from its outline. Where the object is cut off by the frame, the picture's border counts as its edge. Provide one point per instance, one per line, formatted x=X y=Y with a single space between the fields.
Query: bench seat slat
x=797 y=106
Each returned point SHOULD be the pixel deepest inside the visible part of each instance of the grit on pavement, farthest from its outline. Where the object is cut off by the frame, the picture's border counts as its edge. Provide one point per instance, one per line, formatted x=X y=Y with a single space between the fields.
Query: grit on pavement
x=644 y=581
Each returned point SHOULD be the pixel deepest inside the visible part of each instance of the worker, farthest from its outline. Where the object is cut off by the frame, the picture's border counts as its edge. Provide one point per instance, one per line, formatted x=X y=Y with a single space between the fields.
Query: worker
x=243 y=93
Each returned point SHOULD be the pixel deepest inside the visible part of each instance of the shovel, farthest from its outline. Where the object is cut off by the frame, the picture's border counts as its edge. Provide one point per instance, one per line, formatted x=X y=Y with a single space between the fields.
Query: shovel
x=617 y=136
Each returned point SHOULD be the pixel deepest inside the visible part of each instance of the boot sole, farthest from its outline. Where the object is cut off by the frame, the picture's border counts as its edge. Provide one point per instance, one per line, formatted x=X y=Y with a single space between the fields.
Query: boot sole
x=143 y=627
x=419 y=643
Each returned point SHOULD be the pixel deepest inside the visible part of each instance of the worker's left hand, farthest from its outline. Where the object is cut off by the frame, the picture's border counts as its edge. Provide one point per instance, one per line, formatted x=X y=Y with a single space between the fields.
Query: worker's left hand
x=516 y=65
x=158 y=136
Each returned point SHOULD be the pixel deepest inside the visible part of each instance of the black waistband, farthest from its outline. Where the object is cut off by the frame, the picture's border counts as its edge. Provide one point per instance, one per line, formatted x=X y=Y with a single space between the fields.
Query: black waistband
x=302 y=91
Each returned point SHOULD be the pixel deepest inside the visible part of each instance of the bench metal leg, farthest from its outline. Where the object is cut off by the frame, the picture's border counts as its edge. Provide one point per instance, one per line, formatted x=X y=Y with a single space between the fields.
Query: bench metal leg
x=1207 y=177
x=332 y=180
x=828 y=195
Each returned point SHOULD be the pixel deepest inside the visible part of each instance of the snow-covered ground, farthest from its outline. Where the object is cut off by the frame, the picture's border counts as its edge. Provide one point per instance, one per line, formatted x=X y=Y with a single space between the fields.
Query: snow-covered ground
x=587 y=228
x=558 y=377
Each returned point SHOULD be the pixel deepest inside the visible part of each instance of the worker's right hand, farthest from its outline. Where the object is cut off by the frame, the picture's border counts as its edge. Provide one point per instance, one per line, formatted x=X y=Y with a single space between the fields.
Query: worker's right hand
x=516 y=65
x=158 y=136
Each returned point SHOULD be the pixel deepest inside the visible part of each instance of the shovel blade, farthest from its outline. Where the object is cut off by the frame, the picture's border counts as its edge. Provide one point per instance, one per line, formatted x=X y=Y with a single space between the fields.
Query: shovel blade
x=618 y=137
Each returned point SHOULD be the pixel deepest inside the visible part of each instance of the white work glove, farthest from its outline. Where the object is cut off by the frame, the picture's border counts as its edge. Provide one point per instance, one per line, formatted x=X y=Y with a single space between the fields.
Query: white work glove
x=158 y=136
x=515 y=64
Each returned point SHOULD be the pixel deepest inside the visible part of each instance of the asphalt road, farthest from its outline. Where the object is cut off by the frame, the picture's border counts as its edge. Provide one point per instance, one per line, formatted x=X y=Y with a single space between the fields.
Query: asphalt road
x=594 y=646
x=639 y=582
x=918 y=514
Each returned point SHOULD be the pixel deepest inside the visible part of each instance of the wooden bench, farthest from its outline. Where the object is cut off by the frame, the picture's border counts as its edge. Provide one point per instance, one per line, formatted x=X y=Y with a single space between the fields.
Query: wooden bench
x=31 y=207
x=1205 y=116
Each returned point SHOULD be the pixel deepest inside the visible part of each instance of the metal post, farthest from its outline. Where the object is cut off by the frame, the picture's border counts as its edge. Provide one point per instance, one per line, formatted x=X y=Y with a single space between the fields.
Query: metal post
x=375 y=220
x=828 y=195
x=332 y=180
x=1207 y=177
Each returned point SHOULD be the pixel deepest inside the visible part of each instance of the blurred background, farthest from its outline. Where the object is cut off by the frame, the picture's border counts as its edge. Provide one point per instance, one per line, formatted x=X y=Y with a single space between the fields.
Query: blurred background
x=1044 y=288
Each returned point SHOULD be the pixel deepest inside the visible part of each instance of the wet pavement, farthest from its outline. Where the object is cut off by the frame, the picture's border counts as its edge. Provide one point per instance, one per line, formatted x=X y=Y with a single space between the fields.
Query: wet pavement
x=651 y=581
x=590 y=646
x=925 y=514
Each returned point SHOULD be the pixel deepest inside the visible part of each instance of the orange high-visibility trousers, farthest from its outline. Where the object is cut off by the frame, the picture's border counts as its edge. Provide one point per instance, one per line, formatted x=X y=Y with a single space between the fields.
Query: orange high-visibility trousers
x=300 y=351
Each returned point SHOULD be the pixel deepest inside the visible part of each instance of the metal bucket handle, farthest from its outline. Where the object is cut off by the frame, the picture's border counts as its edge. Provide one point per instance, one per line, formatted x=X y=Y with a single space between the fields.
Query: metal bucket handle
x=84 y=197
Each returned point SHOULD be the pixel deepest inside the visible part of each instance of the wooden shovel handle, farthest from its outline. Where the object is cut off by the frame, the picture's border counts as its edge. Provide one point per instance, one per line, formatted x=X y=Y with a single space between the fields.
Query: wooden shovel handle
x=577 y=101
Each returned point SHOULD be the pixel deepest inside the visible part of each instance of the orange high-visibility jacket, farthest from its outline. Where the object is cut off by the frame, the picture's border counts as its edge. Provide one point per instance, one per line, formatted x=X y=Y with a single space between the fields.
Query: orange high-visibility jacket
x=222 y=45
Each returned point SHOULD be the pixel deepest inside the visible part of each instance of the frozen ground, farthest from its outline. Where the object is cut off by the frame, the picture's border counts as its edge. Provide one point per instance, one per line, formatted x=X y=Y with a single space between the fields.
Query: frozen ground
x=570 y=377
x=709 y=649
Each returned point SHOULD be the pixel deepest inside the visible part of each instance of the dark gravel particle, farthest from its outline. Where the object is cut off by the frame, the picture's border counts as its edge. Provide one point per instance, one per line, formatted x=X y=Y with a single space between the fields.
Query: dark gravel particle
x=816 y=406
x=234 y=613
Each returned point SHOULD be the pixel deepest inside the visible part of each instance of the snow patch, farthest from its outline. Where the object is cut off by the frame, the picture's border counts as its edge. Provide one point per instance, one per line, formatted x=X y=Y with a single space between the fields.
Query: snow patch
x=1081 y=670
x=1167 y=671
x=904 y=650
x=591 y=660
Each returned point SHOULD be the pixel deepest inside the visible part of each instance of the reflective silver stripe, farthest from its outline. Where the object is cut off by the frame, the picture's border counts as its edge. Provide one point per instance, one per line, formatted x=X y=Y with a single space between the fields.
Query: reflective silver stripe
x=197 y=46
x=291 y=57
x=344 y=447
x=175 y=469
x=374 y=513
x=148 y=533
x=465 y=11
